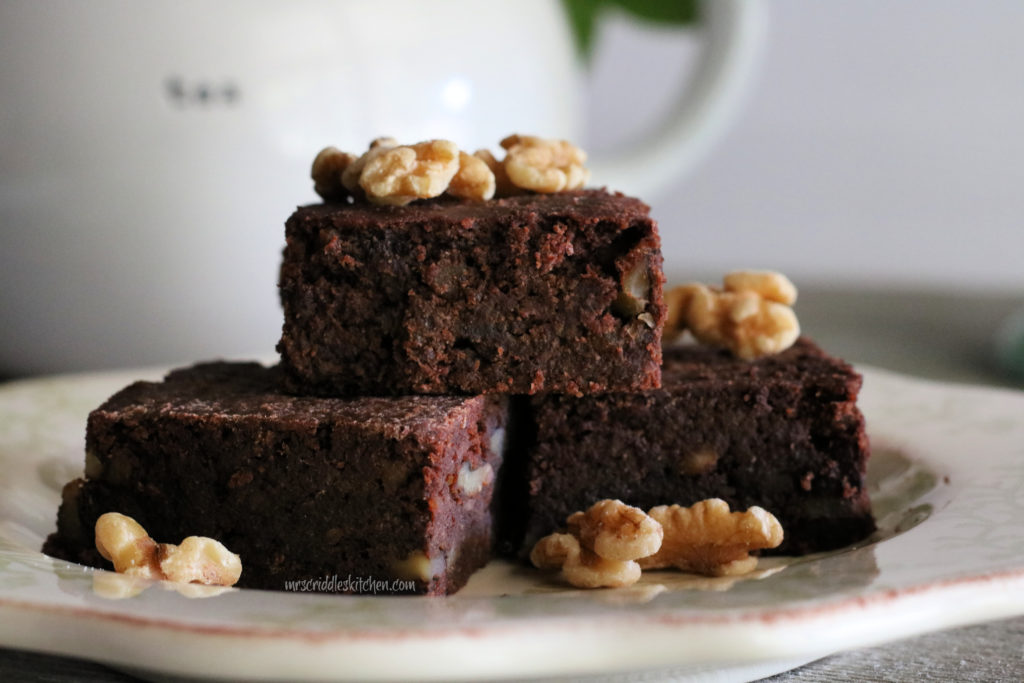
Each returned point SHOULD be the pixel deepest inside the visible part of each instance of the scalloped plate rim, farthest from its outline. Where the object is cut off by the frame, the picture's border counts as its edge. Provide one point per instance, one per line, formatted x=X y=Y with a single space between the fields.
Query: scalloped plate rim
x=982 y=595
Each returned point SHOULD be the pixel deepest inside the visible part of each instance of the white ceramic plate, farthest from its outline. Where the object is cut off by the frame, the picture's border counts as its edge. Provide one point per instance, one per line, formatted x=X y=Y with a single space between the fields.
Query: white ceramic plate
x=948 y=487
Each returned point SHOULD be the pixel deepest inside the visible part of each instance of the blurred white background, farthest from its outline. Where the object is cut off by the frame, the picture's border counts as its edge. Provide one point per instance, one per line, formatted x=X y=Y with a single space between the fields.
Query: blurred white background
x=881 y=144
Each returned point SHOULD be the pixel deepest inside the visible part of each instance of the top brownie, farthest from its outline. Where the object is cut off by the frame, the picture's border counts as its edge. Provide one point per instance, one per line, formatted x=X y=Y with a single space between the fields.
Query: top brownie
x=558 y=293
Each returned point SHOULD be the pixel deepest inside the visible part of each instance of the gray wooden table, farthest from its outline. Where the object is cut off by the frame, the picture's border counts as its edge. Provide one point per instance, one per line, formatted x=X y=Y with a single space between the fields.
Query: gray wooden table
x=946 y=336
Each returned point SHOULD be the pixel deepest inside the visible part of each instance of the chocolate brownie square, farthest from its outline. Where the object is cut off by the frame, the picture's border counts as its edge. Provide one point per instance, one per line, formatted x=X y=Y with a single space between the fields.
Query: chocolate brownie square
x=533 y=293
x=304 y=489
x=782 y=432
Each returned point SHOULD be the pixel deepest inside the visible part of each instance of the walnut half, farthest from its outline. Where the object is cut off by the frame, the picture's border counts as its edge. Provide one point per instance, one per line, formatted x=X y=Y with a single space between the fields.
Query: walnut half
x=750 y=316
x=328 y=168
x=544 y=165
x=198 y=559
x=707 y=538
x=602 y=546
x=473 y=180
x=616 y=531
x=402 y=174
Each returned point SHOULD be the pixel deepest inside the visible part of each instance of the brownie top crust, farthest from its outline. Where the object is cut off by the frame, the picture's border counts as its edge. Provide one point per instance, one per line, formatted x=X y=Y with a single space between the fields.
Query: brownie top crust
x=239 y=390
x=804 y=362
x=584 y=206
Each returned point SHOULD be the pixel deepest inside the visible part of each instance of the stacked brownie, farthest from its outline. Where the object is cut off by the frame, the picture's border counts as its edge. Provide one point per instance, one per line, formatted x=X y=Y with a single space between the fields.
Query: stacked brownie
x=530 y=294
x=374 y=451
x=457 y=375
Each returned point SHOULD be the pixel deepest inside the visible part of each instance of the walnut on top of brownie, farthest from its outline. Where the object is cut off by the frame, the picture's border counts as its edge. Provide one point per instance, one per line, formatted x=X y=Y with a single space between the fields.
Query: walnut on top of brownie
x=392 y=174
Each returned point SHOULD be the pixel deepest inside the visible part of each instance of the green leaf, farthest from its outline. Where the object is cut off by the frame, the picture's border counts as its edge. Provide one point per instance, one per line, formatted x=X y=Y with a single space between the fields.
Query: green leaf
x=671 y=12
x=584 y=15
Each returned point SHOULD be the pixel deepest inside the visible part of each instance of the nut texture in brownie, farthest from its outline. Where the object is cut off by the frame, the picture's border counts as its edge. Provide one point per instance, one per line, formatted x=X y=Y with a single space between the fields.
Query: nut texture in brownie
x=534 y=293
x=301 y=488
x=783 y=432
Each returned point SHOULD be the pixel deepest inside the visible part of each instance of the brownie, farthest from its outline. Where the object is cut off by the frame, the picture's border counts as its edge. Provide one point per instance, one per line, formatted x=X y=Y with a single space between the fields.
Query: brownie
x=533 y=293
x=782 y=432
x=301 y=488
